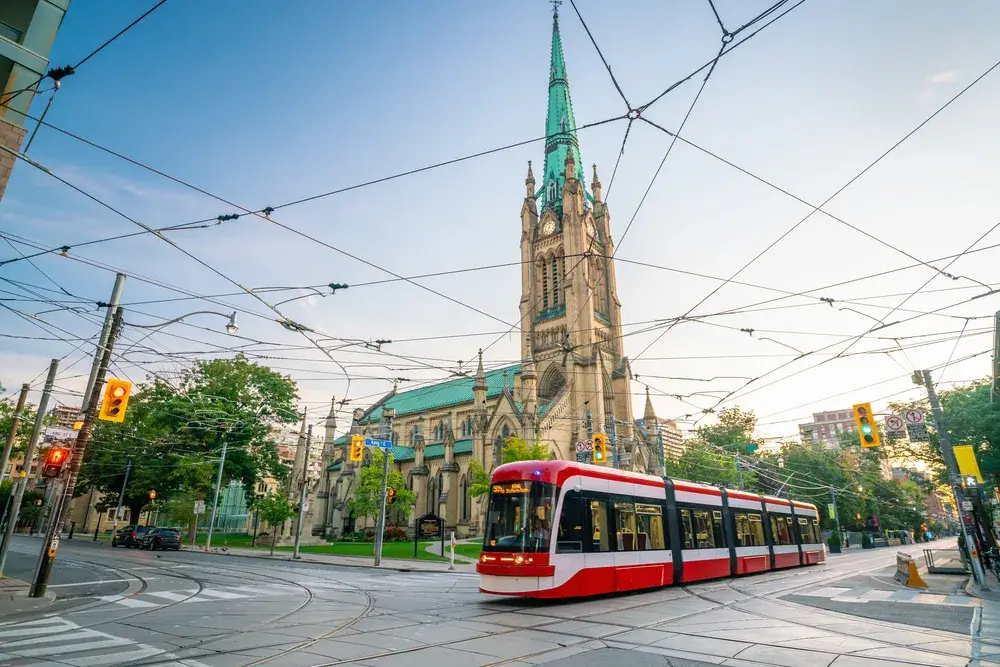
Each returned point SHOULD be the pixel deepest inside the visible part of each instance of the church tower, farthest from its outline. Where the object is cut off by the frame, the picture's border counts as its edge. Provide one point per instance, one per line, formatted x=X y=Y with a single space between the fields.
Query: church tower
x=570 y=312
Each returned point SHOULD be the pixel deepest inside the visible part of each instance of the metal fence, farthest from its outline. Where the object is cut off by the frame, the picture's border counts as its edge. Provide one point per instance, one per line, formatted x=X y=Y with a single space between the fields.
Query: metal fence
x=945 y=561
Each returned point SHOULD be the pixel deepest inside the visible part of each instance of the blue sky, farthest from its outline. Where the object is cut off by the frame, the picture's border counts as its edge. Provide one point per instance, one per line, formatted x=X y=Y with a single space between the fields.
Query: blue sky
x=262 y=107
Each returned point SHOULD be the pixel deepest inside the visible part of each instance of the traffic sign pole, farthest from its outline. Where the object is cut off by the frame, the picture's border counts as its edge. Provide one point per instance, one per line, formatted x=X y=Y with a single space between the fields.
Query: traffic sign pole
x=953 y=478
x=387 y=415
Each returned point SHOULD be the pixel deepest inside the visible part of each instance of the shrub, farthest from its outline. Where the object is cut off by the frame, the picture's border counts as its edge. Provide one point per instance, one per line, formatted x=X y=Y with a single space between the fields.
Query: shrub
x=834 y=542
x=356 y=536
x=394 y=534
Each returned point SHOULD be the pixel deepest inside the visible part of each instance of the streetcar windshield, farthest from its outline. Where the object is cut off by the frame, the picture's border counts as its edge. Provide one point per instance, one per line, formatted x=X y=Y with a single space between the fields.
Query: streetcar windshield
x=520 y=517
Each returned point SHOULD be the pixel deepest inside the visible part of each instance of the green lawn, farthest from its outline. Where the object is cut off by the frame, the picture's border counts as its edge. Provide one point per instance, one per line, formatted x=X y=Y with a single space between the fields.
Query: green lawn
x=402 y=550
x=226 y=539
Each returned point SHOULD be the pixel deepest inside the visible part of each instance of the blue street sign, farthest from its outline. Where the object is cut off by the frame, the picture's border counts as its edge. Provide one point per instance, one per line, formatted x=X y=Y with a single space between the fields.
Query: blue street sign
x=381 y=444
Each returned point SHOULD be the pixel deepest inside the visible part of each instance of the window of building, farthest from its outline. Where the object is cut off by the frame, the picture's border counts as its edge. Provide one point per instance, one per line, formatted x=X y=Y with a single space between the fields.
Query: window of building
x=431 y=495
x=465 y=500
x=555 y=282
x=545 y=285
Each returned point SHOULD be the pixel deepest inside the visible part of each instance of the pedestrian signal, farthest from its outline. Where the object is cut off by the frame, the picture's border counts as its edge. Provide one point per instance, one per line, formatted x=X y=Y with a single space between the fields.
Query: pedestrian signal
x=865 y=421
x=54 y=462
x=391 y=495
x=357 y=448
x=115 y=401
x=600 y=448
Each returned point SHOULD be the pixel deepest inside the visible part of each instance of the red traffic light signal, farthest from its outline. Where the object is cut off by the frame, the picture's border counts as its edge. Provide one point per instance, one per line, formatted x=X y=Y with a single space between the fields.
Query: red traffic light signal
x=54 y=461
x=116 y=396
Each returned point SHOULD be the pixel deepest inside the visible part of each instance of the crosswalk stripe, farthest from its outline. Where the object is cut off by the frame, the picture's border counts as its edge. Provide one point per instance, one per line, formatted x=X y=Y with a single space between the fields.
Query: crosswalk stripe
x=70 y=648
x=169 y=595
x=126 y=657
x=60 y=637
x=222 y=595
x=32 y=629
x=126 y=602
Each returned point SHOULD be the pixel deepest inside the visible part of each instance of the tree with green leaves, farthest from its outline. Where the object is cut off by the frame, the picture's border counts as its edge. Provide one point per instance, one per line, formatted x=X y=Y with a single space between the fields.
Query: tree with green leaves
x=173 y=435
x=365 y=502
x=734 y=432
x=512 y=450
x=274 y=509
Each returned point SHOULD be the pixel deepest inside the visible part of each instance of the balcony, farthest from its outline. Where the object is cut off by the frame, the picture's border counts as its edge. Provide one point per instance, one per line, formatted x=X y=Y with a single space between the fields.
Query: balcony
x=11 y=33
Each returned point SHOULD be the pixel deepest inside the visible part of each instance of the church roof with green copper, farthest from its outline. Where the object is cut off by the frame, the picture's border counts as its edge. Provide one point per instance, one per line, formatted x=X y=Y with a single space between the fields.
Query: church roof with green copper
x=444 y=394
x=560 y=128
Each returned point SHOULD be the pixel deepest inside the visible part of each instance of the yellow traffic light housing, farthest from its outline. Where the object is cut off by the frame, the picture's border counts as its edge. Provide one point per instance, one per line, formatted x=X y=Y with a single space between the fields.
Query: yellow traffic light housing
x=116 y=396
x=357 y=448
x=865 y=421
x=391 y=495
x=600 y=448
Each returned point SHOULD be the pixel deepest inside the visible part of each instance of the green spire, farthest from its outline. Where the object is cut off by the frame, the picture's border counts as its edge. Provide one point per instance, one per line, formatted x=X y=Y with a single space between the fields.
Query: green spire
x=560 y=127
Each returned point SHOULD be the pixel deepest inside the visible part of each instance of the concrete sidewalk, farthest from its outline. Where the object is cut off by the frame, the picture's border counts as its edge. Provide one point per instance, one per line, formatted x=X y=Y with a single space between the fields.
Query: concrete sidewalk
x=397 y=564
x=14 y=598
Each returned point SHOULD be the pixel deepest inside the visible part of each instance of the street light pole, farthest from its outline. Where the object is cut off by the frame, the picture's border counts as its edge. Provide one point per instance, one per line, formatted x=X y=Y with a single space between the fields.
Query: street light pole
x=215 y=499
x=302 y=493
x=14 y=424
x=121 y=497
x=29 y=454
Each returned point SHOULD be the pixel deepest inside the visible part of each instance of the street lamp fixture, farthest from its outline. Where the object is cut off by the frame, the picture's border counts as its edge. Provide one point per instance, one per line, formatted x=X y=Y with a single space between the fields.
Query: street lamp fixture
x=231 y=326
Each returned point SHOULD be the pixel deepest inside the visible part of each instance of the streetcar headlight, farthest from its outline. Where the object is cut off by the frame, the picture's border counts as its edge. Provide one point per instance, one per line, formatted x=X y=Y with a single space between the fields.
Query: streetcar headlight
x=518 y=560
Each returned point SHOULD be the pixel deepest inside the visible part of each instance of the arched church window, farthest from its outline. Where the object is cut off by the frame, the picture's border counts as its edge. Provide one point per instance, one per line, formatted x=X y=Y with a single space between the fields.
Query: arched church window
x=552 y=383
x=545 y=285
x=551 y=195
x=462 y=430
x=555 y=282
x=465 y=499
x=431 y=495
x=505 y=433
x=395 y=438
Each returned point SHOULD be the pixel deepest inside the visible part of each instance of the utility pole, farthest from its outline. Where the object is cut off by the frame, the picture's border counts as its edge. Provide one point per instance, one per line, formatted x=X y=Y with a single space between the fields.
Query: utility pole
x=387 y=416
x=29 y=454
x=14 y=424
x=613 y=438
x=949 y=460
x=50 y=544
x=112 y=305
x=836 y=512
x=302 y=492
x=215 y=499
x=121 y=497
x=739 y=472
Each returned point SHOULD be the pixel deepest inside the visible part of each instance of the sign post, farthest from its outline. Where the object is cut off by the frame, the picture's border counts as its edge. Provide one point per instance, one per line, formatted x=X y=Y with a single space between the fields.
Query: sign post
x=385 y=446
x=451 y=562
x=199 y=509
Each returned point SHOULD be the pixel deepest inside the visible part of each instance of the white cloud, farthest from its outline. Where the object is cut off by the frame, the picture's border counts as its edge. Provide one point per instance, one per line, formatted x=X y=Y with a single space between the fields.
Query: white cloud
x=949 y=76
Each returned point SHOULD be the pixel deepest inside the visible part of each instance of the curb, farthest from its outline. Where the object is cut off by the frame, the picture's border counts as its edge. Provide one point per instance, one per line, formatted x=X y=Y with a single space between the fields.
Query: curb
x=313 y=561
x=18 y=602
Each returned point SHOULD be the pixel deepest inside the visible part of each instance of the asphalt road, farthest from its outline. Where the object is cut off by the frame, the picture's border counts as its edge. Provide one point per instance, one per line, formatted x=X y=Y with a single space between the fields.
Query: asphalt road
x=125 y=607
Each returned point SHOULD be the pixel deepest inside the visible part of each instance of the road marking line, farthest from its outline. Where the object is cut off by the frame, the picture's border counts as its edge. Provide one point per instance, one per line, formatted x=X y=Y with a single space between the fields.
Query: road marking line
x=33 y=629
x=90 y=583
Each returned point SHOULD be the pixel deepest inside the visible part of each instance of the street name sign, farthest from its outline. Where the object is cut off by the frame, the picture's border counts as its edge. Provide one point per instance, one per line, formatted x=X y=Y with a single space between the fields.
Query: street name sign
x=199 y=507
x=381 y=444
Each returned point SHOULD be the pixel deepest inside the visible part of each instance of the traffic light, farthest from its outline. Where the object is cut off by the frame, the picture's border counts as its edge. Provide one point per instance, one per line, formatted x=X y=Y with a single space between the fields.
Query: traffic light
x=54 y=462
x=115 y=400
x=600 y=448
x=867 y=431
x=391 y=495
x=357 y=448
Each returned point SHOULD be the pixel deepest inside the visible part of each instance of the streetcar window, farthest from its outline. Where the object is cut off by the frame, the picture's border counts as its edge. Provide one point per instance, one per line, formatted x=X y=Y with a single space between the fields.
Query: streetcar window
x=686 y=527
x=749 y=529
x=569 y=540
x=720 y=536
x=649 y=523
x=519 y=517
x=704 y=535
x=599 y=525
x=780 y=529
x=625 y=532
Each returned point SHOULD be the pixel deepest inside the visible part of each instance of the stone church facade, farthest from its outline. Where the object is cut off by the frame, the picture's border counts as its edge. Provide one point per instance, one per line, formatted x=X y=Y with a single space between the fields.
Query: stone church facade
x=574 y=379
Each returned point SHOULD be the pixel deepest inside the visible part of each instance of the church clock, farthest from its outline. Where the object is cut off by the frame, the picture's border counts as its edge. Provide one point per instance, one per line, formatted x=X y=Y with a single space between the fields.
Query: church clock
x=548 y=227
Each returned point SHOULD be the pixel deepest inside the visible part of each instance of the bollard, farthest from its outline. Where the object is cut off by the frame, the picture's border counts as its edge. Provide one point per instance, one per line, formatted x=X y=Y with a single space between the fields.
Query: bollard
x=72 y=529
x=451 y=563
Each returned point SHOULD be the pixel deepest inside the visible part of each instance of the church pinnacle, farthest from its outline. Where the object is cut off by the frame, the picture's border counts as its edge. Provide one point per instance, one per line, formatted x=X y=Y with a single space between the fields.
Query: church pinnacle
x=560 y=127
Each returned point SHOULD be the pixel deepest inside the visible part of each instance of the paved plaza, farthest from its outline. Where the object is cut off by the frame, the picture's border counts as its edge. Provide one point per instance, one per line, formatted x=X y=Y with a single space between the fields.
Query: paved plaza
x=124 y=607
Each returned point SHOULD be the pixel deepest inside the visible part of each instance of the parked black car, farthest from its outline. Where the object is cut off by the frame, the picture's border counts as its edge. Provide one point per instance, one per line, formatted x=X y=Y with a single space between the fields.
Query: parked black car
x=161 y=538
x=129 y=536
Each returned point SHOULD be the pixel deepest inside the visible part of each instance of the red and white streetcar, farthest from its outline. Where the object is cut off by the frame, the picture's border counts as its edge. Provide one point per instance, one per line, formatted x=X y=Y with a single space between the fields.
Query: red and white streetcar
x=564 y=529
